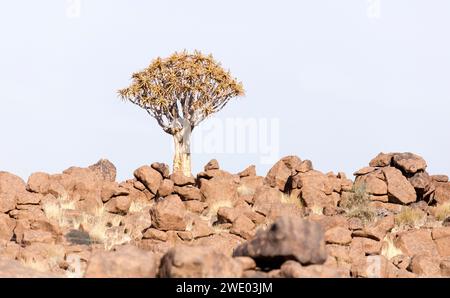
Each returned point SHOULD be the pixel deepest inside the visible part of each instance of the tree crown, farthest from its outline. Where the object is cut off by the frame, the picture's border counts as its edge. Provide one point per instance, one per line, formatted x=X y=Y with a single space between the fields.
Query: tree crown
x=183 y=88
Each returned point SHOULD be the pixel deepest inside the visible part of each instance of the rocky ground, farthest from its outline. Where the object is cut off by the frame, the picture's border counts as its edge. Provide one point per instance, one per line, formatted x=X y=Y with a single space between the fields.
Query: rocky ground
x=392 y=220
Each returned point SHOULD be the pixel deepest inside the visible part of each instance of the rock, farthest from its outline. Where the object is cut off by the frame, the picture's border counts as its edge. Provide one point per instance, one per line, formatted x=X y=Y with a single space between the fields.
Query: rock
x=377 y=230
x=7 y=225
x=440 y=232
x=421 y=182
x=162 y=168
x=292 y=269
x=425 y=266
x=118 y=205
x=213 y=164
x=10 y=186
x=381 y=160
x=136 y=223
x=155 y=234
x=443 y=246
x=265 y=199
x=399 y=188
x=15 y=269
x=445 y=267
x=286 y=239
x=198 y=262
x=372 y=184
x=221 y=241
x=416 y=242
x=367 y=245
x=338 y=235
x=248 y=172
x=32 y=236
x=112 y=189
x=364 y=171
x=442 y=192
x=195 y=206
x=105 y=169
x=38 y=182
x=401 y=261
x=305 y=166
x=188 y=192
x=180 y=180
x=126 y=262
x=149 y=177
x=28 y=198
x=316 y=190
x=409 y=162
x=439 y=178
x=219 y=191
x=166 y=188
x=279 y=174
x=169 y=214
x=374 y=267
x=246 y=263
x=201 y=228
x=243 y=226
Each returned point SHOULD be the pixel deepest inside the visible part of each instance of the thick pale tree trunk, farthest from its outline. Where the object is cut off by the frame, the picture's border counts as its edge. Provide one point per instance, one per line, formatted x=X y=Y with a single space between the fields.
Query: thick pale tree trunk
x=182 y=158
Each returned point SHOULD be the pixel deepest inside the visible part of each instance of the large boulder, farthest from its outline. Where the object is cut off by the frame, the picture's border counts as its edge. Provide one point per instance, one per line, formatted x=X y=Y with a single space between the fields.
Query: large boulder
x=198 y=262
x=150 y=177
x=10 y=186
x=169 y=214
x=409 y=163
x=399 y=188
x=287 y=238
x=126 y=262
x=279 y=174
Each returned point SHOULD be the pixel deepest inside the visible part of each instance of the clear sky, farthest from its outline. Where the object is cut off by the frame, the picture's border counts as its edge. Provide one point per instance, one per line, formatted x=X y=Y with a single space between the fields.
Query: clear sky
x=335 y=82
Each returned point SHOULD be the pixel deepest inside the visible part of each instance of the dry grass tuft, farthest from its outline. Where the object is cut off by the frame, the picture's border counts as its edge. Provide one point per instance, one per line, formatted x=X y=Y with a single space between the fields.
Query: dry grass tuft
x=442 y=211
x=410 y=217
x=358 y=205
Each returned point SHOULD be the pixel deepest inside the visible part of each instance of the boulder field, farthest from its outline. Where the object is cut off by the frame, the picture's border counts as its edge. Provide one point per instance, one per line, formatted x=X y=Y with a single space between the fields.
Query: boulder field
x=391 y=220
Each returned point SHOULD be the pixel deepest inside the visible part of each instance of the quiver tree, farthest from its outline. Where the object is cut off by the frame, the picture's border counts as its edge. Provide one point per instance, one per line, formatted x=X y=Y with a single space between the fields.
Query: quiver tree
x=179 y=92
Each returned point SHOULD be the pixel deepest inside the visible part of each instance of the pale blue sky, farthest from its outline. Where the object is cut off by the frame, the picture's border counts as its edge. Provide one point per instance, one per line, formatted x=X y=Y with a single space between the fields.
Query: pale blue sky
x=343 y=86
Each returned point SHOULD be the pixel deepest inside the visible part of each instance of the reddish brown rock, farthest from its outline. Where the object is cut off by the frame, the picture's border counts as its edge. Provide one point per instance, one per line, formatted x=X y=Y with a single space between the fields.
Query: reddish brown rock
x=169 y=214
x=166 y=188
x=39 y=182
x=119 y=205
x=188 y=192
x=338 y=235
x=149 y=177
x=292 y=269
x=180 y=180
x=213 y=164
x=32 y=236
x=15 y=269
x=442 y=193
x=195 y=206
x=439 y=178
x=219 y=191
x=248 y=172
x=7 y=225
x=381 y=160
x=443 y=246
x=416 y=242
x=425 y=265
x=10 y=186
x=399 y=188
x=287 y=239
x=372 y=184
x=105 y=169
x=125 y=262
x=279 y=174
x=155 y=234
x=243 y=226
x=409 y=162
x=198 y=262
x=162 y=168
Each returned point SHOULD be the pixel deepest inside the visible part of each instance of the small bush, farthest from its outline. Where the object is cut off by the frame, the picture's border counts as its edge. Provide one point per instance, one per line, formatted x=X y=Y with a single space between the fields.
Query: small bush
x=357 y=205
